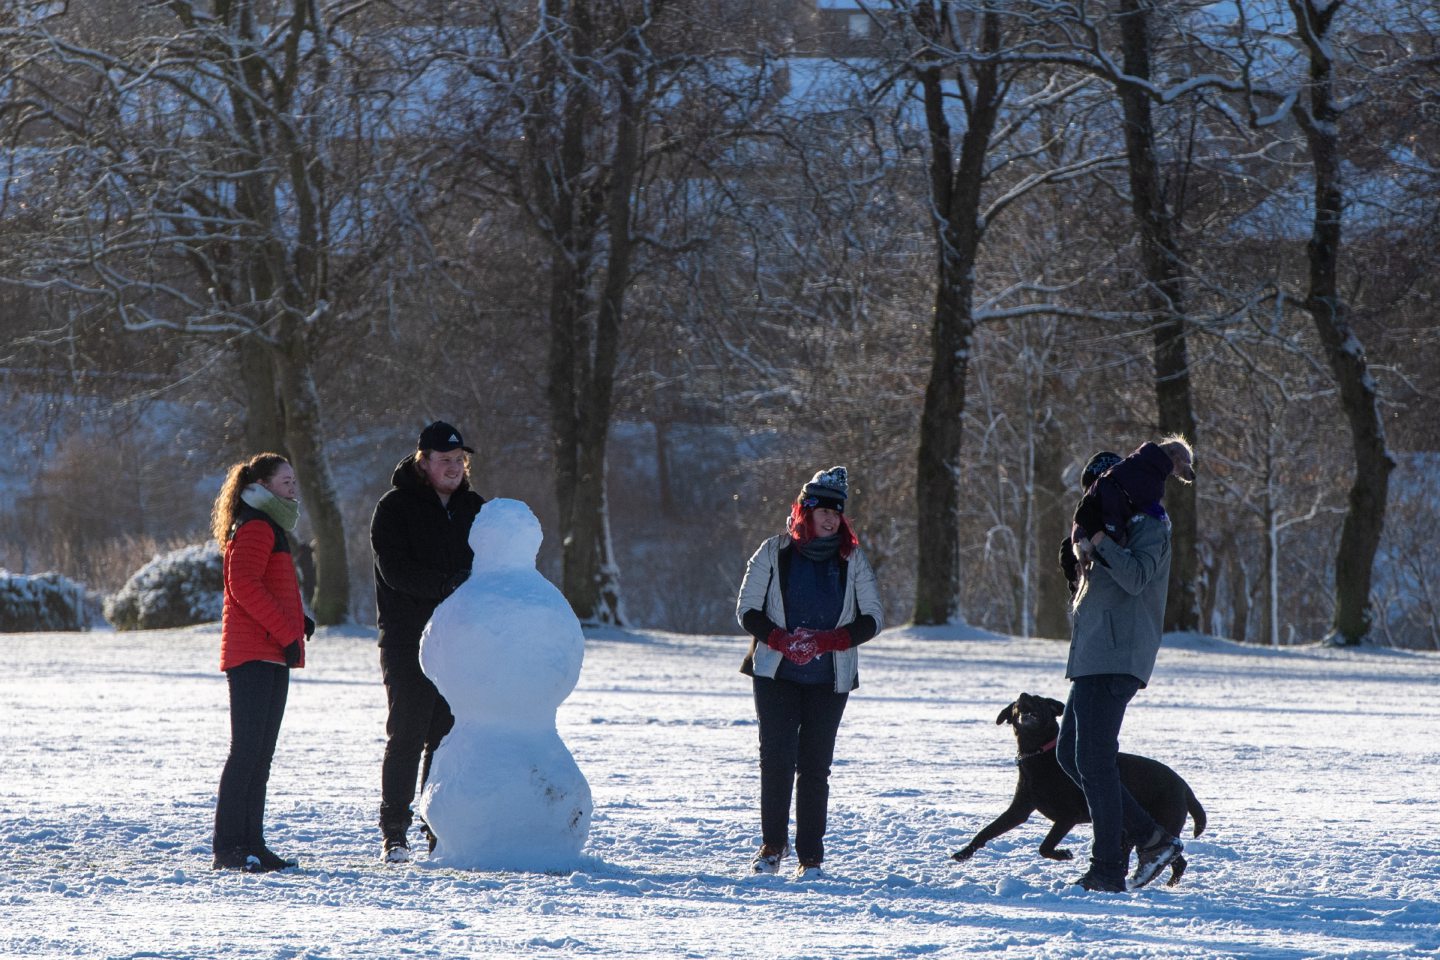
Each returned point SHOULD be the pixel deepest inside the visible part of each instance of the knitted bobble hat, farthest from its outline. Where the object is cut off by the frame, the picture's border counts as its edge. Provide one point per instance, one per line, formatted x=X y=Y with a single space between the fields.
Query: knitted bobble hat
x=828 y=488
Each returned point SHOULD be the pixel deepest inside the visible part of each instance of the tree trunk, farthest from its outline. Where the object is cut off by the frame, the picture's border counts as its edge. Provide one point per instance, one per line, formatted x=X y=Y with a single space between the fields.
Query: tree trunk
x=1053 y=506
x=1209 y=588
x=1240 y=593
x=264 y=430
x=585 y=344
x=288 y=281
x=661 y=421
x=304 y=434
x=592 y=579
x=1359 y=396
x=937 y=599
x=955 y=196
x=1165 y=286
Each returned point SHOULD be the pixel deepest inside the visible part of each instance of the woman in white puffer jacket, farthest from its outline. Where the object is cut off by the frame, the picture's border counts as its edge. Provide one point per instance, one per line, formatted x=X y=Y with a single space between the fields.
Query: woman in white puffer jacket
x=809 y=599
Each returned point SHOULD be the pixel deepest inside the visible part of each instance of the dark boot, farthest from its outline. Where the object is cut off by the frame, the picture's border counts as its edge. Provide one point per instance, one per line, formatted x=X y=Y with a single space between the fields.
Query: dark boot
x=271 y=861
x=255 y=837
x=236 y=858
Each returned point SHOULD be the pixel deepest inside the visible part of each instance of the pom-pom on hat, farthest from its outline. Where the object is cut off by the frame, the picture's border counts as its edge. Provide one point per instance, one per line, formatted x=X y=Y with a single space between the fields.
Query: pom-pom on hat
x=828 y=488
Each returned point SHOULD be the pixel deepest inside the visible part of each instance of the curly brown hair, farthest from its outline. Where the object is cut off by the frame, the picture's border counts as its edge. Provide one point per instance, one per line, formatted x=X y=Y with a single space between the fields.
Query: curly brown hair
x=257 y=469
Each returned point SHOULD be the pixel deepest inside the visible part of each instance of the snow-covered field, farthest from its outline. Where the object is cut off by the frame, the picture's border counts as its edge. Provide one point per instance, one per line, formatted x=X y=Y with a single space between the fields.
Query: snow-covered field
x=1319 y=768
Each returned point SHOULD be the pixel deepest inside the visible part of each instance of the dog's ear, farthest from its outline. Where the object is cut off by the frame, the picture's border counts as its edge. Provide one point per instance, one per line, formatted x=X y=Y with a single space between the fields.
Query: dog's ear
x=1006 y=715
x=1055 y=706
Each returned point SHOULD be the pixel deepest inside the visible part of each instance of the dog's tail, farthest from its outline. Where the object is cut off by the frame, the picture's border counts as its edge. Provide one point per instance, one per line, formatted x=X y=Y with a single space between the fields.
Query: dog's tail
x=1197 y=812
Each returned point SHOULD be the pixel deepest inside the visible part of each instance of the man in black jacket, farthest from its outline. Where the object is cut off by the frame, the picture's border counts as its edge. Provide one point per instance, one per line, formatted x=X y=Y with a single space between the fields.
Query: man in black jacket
x=420 y=537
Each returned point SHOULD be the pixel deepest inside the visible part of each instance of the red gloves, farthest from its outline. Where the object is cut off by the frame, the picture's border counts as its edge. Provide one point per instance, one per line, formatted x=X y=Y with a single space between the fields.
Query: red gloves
x=800 y=646
x=797 y=647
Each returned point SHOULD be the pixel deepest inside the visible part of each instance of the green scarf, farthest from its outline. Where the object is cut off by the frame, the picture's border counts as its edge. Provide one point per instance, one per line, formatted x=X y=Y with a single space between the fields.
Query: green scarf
x=284 y=512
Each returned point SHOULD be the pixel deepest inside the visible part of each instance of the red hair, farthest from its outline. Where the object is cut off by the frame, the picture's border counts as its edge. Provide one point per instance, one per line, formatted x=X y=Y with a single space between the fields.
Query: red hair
x=802 y=531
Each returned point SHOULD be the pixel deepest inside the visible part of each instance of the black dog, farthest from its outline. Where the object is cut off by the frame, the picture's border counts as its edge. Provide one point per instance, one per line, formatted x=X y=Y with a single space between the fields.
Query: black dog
x=1045 y=787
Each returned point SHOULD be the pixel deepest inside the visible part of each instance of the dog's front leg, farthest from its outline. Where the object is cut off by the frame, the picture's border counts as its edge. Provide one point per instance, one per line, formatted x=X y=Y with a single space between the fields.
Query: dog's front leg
x=1057 y=833
x=1017 y=813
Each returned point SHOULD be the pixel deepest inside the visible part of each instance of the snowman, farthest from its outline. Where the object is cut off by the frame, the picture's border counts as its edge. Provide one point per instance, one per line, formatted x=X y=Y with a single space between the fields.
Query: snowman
x=505 y=650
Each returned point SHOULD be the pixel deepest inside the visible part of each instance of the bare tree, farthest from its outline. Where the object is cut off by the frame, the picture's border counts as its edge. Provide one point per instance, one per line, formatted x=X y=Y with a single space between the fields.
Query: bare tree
x=1359 y=396
x=583 y=109
x=197 y=159
x=1166 y=293
x=969 y=67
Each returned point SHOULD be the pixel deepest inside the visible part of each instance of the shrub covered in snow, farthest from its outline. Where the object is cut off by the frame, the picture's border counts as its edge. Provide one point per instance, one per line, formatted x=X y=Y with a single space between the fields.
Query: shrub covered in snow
x=42 y=601
x=175 y=589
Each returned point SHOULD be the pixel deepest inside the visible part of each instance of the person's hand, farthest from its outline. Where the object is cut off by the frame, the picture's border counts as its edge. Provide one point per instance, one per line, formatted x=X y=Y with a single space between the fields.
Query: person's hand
x=798 y=646
x=1069 y=564
x=1088 y=514
x=1084 y=552
x=309 y=627
x=293 y=653
x=829 y=641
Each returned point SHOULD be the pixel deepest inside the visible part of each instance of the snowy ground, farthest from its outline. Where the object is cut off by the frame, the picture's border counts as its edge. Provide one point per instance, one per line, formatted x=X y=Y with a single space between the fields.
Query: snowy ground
x=1318 y=768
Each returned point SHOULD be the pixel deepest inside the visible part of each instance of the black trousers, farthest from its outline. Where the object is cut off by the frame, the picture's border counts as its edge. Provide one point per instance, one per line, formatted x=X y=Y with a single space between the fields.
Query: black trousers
x=798 y=723
x=258 y=691
x=419 y=719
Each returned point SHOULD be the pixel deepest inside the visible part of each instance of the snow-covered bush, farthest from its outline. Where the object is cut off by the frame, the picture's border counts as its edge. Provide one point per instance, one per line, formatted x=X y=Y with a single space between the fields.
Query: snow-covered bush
x=42 y=601
x=175 y=589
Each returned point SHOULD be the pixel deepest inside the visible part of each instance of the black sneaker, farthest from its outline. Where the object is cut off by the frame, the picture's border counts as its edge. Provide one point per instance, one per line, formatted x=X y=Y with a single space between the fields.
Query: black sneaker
x=1155 y=856
x=236 y=858
x=1099 y=883
x=395 y=851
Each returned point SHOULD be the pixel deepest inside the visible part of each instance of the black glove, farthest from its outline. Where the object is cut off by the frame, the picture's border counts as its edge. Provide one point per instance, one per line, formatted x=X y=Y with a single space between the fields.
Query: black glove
x=1069 y=564
x=292 y=653
x=454 y=582
x=309 y=627
x=1088 y=516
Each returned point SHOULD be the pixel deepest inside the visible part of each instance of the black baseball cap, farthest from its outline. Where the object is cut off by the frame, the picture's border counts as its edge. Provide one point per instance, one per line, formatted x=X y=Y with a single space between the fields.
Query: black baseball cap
x=441 y=437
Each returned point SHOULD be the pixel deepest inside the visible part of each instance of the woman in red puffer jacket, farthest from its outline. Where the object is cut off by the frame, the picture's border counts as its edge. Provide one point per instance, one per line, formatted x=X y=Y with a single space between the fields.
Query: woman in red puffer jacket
x=262 y=637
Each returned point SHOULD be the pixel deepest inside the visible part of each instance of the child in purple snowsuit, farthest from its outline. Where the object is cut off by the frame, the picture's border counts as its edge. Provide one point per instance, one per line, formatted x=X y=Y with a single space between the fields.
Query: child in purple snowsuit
x=1134 y=485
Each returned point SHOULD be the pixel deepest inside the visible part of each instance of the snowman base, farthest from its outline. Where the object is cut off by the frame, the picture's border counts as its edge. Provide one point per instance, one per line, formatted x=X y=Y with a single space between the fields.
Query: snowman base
x=506 y=799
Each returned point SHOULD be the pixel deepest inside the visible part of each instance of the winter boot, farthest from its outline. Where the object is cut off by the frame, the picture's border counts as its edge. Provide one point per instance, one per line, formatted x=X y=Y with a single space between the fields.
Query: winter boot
x=767 y=859
x=236 y=858
x=1154 y=857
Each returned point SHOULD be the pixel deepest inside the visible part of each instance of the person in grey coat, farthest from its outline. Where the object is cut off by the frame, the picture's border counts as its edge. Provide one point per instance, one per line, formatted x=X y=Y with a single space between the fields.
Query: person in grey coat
x=809 y=599
x=1119 y=612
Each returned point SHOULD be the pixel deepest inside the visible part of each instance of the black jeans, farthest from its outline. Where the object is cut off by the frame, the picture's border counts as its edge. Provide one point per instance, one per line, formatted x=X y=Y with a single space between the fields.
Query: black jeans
x=798 y=723
x=1088 y=750
x=419 y=719
x=258 y=691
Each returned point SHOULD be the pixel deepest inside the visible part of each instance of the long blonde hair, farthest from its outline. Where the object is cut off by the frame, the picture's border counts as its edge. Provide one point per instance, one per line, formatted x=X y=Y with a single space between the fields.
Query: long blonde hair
x=257 y=469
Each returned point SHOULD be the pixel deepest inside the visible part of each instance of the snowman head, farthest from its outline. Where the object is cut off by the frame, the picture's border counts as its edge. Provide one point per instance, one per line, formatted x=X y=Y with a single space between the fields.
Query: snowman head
x=505 y=536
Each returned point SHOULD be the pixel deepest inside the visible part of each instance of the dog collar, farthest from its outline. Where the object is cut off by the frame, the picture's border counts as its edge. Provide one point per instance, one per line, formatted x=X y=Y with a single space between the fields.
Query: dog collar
x=1021 y=758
